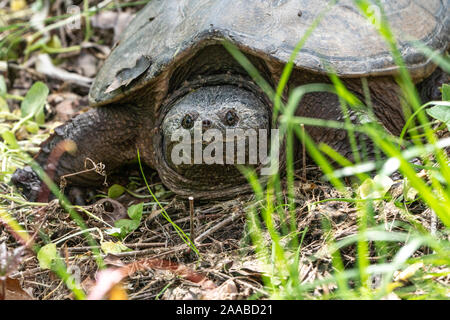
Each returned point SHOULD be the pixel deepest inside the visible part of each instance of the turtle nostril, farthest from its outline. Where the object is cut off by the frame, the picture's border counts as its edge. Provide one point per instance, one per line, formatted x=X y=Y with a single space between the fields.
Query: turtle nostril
x=231 y=118
x=206 y=123
x=187 y=122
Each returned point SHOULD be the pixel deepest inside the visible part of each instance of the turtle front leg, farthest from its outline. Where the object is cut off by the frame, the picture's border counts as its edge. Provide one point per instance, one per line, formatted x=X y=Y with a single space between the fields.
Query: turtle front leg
x=384 y=93
x=98 y=141
x=430 y=88
x=326 y=106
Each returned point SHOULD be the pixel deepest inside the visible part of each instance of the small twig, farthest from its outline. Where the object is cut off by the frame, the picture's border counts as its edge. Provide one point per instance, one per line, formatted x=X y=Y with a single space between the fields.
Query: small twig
x=28 y=272
x=147 y=252
x=129 y=245
x=191 y=214
x=96 y=167
x=200 y=217
x=93 y=216
x=53 y=291
x=218 y=226
x=78 y=233
x=30 y=242
x=138 y=253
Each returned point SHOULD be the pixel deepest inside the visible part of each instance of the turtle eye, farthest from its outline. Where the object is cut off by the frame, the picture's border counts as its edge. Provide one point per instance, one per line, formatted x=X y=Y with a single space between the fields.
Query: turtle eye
x=187 y=122
x=231 y=117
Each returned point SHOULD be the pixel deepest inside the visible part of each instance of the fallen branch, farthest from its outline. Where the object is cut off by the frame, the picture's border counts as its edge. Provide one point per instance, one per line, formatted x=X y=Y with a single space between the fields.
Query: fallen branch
x=219 y=226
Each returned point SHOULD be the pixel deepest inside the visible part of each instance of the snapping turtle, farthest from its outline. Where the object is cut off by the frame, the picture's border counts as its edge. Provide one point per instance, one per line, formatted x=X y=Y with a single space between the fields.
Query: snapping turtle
x=171 y=71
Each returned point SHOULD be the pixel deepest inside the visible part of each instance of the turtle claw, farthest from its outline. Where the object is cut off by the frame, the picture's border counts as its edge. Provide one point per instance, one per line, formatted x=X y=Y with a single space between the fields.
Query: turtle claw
x=27 y=182
x=77 y=196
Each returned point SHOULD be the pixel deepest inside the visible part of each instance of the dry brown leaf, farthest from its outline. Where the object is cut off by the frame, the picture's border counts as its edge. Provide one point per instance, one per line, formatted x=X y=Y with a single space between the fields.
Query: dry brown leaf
x=226 y=291
x=14 y=291
x=107 y=279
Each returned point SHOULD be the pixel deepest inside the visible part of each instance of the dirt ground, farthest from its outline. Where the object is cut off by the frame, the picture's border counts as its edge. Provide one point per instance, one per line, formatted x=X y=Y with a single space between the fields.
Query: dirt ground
x=228 y=258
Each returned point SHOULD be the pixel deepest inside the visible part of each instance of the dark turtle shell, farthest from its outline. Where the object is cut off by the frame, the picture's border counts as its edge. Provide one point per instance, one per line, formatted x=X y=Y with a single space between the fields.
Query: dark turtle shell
x=165 y=32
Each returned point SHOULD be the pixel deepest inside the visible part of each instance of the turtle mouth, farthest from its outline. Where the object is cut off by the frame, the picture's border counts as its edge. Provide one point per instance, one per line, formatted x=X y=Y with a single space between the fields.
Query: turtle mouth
x=215 y=179
x=208 y=133
x=217 y=175
x=214 y=167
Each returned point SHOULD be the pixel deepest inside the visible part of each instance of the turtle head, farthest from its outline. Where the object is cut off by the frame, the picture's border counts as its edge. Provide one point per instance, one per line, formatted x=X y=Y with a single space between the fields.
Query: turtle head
x=208 y=132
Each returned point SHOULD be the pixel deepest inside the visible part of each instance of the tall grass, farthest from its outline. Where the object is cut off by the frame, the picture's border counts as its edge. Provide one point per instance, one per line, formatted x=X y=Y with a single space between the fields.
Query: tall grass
x=277 y=216
x=281 y=258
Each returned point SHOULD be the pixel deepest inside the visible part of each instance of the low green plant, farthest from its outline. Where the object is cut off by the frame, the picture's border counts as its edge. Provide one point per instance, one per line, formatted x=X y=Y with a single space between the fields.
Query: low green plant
x=127 y=226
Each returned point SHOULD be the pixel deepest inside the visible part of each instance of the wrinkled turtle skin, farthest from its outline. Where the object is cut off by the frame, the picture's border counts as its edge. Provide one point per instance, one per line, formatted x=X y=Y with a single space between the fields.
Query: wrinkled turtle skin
x=170 y=70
